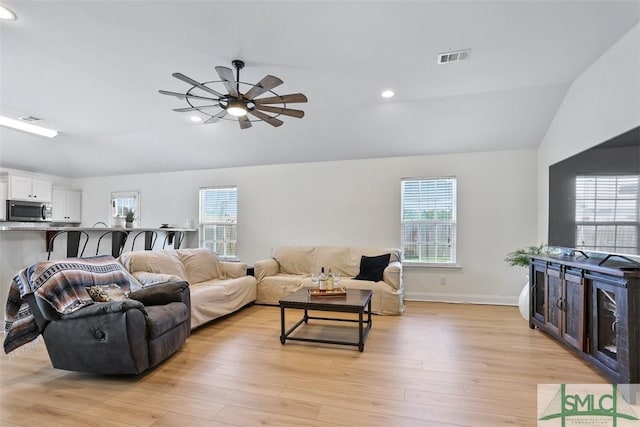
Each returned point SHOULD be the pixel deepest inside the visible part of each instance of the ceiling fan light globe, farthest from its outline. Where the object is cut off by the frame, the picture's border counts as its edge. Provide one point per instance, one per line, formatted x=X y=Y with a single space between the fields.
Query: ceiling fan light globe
x=237 y=111
x=236 y=108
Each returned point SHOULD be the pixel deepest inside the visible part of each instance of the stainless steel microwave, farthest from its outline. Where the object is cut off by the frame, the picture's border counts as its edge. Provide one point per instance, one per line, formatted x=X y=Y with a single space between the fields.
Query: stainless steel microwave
x=18 y=210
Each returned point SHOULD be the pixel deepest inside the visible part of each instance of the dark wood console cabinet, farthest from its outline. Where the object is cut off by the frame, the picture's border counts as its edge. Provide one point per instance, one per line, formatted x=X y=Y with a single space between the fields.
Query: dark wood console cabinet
x=593 y=307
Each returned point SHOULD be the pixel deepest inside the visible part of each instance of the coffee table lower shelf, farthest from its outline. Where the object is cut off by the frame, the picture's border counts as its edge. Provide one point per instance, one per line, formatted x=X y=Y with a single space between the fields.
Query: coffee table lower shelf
x=357 y=302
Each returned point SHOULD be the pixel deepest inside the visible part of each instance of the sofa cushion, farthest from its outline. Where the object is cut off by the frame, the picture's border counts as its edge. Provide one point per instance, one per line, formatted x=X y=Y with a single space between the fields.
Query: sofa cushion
x=165 y=262
x=200 y=264
x=332 y=257
x=353 y=256
x=148 y=279
x=296 y=259
x=372 y=268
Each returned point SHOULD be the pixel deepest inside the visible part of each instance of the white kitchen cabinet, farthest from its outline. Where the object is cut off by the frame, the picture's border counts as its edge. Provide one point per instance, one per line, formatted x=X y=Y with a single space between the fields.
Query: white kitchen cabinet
x=66 y=205
x=27 y=188
x=41 y=190
x=20 y=187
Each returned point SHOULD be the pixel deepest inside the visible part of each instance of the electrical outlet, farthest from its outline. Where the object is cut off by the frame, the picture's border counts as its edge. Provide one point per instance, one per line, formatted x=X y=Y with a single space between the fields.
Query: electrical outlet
x=443 y=281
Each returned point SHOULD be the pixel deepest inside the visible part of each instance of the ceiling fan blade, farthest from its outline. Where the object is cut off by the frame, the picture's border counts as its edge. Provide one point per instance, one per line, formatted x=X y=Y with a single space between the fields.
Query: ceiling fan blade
x=244 y=122
x=279 y=110
x=189 y=80
x=264 y=117
x=184 y=95
x=226 y=75
x=267 y=83
x=217 y=117
x=184 y=110
x=282 y=99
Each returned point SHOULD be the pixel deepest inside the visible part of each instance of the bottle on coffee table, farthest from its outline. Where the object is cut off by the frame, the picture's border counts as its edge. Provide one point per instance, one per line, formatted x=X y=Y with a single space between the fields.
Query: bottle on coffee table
x=323 y=279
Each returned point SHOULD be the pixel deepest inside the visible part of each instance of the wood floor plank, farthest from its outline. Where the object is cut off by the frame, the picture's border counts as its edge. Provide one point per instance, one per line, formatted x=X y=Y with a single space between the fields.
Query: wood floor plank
x=351 y=417
x=45 y=415
x=175 y=419
x=248 y=417
x=436 y=365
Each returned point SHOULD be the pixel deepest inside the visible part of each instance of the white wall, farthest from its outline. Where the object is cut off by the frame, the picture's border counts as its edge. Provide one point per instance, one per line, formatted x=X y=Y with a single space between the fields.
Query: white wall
x=357 y=203
x=602 y=103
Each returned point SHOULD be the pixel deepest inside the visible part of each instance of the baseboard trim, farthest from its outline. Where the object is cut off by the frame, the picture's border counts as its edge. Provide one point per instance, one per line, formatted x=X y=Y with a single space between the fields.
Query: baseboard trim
x=461 y=298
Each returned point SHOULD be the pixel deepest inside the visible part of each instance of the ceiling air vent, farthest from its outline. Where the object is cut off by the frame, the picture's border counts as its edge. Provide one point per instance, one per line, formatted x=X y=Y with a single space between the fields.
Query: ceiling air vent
x=457 y=56
x=29 y=119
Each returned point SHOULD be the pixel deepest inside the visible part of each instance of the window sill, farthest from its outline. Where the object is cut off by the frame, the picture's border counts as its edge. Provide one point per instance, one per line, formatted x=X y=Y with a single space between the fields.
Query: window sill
x=419 y=265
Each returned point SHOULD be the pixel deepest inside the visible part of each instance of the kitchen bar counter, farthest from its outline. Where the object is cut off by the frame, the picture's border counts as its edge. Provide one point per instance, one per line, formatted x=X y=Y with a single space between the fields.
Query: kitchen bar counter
x=6 y=227
x=118 y=236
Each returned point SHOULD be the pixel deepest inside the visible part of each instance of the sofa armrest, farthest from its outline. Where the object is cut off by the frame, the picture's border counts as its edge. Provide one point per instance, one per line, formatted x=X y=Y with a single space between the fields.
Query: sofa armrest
x=98 y=309
x=163 y=293
x=266 y=267
x=392 y=275
x=233 y=270
x=146 y=278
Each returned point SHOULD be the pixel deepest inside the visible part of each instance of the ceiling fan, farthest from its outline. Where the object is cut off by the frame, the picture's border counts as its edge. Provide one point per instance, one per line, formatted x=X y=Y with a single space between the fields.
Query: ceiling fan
x=202 y=96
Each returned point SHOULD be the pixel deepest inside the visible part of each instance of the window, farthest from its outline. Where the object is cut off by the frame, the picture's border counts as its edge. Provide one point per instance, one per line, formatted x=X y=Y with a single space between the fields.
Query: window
x=123 y=201
x=429 y=220
x=219 y=220
x=607 y=213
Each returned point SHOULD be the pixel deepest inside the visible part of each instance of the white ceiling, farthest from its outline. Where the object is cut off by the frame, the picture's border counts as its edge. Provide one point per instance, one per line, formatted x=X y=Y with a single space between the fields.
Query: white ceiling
x=92 y=70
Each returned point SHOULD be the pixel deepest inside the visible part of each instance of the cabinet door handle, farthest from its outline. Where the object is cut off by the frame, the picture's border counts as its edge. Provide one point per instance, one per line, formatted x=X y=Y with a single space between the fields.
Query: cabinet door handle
x=561 y=303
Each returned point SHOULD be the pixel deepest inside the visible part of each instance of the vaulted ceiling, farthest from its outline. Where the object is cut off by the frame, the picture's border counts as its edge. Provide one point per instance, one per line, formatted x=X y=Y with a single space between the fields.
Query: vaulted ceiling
x=92 y=70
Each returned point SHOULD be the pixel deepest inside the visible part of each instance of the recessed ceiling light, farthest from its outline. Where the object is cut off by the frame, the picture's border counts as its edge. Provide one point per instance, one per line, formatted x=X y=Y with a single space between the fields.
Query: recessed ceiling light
x=195 y=118
x=26 y=127
x=6 y=14
x=387 y=94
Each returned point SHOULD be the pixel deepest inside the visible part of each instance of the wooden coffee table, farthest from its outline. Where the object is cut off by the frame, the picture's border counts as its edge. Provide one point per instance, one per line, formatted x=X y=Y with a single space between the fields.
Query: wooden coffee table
x=356 y=301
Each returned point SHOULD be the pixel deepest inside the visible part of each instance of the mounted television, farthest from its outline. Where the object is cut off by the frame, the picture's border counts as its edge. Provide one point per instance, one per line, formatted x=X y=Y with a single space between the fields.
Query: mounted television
x=594 y=198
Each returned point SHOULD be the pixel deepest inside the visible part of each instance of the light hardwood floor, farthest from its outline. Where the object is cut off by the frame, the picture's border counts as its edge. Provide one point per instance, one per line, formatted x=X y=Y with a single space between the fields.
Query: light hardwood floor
x=436 y=365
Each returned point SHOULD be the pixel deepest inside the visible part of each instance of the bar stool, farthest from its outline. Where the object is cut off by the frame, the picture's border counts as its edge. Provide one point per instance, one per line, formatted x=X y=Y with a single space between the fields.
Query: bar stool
x=150 y=238
x=73 y=242
x=174 y=237
x=118 y=239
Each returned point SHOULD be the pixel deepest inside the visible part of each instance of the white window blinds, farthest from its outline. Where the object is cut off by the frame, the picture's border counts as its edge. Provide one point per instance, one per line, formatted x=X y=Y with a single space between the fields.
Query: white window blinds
x=429 y=220
x=607 y=217
x=219 y=220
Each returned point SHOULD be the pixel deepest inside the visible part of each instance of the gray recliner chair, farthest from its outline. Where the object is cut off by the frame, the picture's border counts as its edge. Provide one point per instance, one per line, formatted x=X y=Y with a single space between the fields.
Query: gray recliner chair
x=117 y=337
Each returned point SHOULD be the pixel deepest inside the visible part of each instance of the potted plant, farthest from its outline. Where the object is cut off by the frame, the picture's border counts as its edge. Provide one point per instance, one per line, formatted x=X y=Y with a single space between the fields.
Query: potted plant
x=520 y=258
x=129 y=217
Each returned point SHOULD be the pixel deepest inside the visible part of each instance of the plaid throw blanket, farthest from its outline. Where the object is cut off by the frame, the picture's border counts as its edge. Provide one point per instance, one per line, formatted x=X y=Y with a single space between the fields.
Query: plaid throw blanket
x=62 y=284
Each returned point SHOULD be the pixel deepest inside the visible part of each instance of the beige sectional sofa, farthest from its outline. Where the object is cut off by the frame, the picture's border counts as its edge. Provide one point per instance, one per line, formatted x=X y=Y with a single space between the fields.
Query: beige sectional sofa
x=290 y=269
x=217 y=287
